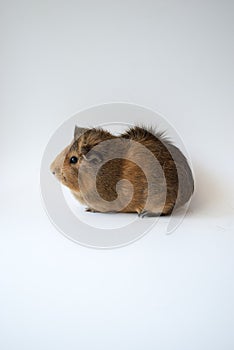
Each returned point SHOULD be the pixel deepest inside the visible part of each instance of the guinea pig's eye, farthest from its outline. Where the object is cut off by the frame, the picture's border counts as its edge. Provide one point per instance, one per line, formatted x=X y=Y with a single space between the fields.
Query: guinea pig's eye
x=73 y=160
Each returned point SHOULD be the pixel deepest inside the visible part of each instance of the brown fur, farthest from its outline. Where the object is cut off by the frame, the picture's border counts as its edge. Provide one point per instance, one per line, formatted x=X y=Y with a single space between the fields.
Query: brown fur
x=157 y=186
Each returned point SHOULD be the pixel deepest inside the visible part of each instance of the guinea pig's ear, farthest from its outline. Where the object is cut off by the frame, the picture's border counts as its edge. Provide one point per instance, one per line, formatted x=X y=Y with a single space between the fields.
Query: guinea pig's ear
x=79 y=131
x=93 y=157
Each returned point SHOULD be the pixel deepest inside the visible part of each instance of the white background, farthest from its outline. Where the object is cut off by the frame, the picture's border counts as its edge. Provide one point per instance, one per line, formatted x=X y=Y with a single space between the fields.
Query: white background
x=162 y=292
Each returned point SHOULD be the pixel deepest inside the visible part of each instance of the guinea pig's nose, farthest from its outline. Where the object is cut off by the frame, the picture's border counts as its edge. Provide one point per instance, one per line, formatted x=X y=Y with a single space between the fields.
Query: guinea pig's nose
x=53 y=170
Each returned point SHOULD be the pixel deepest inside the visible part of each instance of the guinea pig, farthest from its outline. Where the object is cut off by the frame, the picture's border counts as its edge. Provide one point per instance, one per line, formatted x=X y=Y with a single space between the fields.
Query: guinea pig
x=139 y=171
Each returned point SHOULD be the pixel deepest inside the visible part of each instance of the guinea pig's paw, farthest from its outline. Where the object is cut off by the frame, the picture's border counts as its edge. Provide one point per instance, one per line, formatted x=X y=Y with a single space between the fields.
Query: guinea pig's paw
x=146 y=213
x=91 y=210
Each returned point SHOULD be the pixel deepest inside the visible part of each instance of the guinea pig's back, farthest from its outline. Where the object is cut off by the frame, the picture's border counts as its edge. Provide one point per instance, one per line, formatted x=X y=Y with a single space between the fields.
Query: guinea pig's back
x=167 y=182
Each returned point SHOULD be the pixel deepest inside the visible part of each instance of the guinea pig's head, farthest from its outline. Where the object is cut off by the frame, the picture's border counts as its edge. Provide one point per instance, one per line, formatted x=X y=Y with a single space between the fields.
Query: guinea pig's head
x=66 y=165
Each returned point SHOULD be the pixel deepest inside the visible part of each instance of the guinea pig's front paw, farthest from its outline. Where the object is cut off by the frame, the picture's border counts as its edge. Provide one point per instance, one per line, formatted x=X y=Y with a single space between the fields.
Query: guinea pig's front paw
x=91 y=210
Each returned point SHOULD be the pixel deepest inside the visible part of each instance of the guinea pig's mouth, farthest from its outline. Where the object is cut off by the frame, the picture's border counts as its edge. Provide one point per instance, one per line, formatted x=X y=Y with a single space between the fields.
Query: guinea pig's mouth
x=58 y=175
x=64 y=178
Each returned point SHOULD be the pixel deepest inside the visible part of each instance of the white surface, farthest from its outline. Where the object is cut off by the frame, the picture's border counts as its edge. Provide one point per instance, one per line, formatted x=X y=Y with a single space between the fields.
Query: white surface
x=162 y=292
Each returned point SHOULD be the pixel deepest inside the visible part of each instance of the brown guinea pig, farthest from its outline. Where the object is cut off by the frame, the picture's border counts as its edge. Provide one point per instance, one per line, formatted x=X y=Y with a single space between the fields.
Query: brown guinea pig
x=138 y=171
